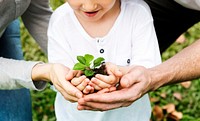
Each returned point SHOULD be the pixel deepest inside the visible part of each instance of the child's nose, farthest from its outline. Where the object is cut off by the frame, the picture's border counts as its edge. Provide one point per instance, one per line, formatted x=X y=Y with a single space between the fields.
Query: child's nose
x=89 y=5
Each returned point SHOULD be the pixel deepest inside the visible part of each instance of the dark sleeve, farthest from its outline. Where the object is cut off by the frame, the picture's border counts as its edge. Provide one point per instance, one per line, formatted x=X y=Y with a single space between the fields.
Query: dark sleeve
x=171 y=20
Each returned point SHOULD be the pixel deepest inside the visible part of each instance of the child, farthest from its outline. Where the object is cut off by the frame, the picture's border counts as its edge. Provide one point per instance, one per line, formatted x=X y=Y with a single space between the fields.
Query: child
x=121 y=31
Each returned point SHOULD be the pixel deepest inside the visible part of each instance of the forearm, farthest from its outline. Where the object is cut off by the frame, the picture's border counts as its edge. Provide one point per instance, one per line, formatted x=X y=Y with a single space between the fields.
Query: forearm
x=182 y=67
x=17 y=74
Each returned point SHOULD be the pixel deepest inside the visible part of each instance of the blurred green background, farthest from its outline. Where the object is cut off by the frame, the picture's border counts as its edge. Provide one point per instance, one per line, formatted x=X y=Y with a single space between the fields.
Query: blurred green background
x=187 y=102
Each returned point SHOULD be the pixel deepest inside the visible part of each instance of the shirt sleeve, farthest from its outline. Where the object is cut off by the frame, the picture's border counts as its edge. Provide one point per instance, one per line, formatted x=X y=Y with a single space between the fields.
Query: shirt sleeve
x=16 y=74
x=36 y=19
x=145 y=50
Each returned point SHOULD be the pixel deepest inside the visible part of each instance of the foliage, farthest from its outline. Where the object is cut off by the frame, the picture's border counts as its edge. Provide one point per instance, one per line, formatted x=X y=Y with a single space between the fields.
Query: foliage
x=43 y=101
x=89 y=66
x=191 y=35
x=190 y=97
x=55 y=3
x=43 y=105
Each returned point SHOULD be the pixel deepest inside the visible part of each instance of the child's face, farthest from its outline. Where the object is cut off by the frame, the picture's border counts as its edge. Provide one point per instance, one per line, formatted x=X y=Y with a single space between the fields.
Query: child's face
x=92 y=10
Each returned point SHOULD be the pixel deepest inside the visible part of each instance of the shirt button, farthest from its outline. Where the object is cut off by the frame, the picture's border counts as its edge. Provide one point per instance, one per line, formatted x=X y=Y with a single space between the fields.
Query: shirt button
x=101 y=50
x=128 y=61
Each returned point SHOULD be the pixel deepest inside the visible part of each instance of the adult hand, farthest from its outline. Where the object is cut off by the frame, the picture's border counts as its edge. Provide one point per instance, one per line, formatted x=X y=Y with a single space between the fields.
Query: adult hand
x=56 y=73
x=133 y=85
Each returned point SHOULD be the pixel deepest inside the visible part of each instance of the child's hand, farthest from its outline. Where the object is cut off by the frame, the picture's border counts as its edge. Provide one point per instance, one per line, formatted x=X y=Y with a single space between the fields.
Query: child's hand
x=106 y=81
x=80 y=82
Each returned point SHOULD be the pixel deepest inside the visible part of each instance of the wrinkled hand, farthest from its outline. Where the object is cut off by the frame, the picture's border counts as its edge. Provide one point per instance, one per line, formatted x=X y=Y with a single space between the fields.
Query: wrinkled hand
x=133 y=85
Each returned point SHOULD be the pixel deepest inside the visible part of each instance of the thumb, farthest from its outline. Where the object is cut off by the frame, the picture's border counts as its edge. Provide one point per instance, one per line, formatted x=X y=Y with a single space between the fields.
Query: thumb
x=133 y=76
x=70 y=75
x=118 y=73
x=126 y=81
x=113 y=69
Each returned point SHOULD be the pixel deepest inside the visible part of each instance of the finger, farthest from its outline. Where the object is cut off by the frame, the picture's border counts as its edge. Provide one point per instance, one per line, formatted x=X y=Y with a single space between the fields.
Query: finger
x=123 y=95
x=135 y=75
x=87 y=89
x=111 y=89
x=71 y=74
x=113 y=69
x=83 y=84
x=66 y=95
x=96 y=87
x=79 y=73
x=127 y=80
x=112 y=97
x=70 y=89
x=102 y=106
x=86 y=108
x=111 y=79
x=118 y=73
x=105 y=90
x=101 y=83
x=78 y=80
x=92 y=90
x=69 y=97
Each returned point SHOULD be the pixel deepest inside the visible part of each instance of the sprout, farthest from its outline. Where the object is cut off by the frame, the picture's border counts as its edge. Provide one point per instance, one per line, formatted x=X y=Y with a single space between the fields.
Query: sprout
x=89 y=66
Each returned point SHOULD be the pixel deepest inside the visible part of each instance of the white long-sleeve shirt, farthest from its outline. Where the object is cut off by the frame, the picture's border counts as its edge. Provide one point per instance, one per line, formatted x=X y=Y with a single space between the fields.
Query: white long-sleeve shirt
x=16 y=74
x=131 y=40
x=35 y=15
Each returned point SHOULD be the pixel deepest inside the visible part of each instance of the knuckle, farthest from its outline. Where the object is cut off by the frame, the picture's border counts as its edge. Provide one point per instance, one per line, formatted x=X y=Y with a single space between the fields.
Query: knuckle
x=80 y=87
x=111 y=81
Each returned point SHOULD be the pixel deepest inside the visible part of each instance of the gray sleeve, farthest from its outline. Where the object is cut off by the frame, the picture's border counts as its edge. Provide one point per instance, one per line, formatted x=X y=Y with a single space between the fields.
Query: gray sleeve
x=16 y=74
x=191 y=4
x=36 y=19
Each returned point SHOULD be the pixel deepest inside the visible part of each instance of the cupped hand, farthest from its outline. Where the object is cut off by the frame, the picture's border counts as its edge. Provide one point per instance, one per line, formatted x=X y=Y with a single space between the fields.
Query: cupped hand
x=106 y=81
x=134 y=85
x=58 y=77
x=80 y=81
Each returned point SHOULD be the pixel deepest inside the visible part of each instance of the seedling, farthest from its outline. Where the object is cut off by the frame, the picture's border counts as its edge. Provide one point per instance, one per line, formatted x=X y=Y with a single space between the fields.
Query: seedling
x=89 y=66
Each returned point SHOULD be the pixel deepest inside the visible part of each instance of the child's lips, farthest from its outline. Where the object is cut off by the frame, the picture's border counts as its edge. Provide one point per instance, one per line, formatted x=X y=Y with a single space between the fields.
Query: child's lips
x=91 y=14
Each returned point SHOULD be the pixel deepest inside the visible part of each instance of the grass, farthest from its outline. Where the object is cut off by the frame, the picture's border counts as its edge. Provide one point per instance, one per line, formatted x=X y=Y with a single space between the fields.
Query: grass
x=43 y=102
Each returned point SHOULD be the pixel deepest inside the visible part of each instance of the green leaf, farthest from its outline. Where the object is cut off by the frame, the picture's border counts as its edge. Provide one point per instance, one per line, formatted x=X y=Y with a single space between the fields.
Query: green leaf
x=88 y=59
x=97 y=62
x=81 y=59
x=89 y=73
x=79 y=66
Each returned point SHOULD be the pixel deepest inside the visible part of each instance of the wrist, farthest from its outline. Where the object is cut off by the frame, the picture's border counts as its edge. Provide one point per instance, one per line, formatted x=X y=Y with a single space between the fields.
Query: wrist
x=159 y=77
x=41 y=72
x=155 y=79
